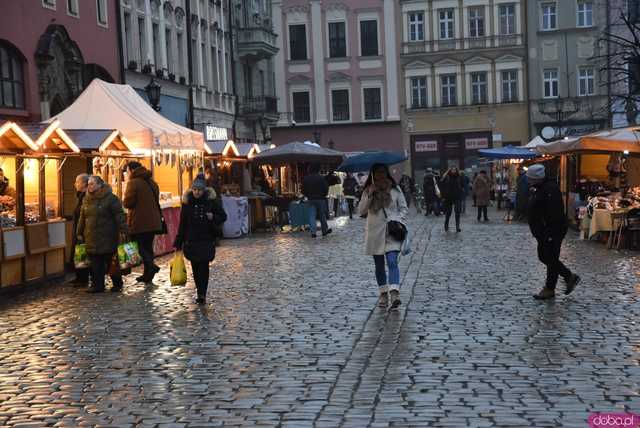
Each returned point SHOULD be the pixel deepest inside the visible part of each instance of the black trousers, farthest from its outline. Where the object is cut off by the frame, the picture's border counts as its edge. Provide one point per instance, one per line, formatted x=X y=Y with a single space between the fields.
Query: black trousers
x=201 y=277
x=145 y=246
x=482 y=211
x=82 y=276
x=452 y=205
x=350 y=205
x=99 y=267
x=549 y=254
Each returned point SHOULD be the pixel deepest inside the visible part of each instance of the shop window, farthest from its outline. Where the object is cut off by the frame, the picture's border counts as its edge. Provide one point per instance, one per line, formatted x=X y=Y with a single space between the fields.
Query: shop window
x=369 y=37
x=31 y=171
x=11 y=78
x=7 y=192
x=52 y=188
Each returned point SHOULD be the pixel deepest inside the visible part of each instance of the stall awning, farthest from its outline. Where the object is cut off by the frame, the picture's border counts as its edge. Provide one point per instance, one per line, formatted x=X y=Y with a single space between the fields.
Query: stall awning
x=508 y=152
x=14 y=140
x=299 y=152
x=609 y=141
x=105 y=105
x=102 y=140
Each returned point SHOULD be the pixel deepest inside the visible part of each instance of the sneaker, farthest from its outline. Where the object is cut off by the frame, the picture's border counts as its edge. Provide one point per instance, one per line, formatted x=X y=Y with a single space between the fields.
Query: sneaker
x=384 y=300
x=571 y=284
x=395 y=299
x=327 y=232
x=545 y=294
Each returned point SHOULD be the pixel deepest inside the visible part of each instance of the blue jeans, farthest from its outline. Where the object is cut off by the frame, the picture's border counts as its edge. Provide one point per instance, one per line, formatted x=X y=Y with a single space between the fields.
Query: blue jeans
x=317 y=206
x=394 y=271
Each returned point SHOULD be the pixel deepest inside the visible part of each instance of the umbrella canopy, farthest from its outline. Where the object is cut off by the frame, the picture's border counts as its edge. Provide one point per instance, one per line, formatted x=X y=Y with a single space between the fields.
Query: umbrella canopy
x=298 y=152
x=364 y=161
x=612 y=140
x=508 y=152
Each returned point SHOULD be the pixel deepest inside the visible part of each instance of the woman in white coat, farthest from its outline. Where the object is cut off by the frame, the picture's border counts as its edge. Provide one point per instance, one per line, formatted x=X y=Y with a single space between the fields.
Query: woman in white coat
x=382 y=200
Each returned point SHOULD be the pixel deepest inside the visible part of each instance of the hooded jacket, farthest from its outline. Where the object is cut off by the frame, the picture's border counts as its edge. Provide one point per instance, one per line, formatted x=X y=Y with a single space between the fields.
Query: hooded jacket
x=141 y=199
x=452 y=187
x=547 y=219
x=101 y=222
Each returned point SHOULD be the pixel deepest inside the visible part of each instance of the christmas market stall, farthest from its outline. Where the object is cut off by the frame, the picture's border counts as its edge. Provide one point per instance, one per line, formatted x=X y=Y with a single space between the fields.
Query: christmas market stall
x=172 y=152
x=600 y=177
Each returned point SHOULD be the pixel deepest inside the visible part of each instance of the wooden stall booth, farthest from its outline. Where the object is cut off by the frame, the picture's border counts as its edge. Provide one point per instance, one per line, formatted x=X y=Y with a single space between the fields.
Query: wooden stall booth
x=33 y=229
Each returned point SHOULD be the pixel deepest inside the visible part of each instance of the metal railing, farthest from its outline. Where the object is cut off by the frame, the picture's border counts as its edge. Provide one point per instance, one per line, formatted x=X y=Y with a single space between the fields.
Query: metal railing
x=259 y=105
x=425 y=46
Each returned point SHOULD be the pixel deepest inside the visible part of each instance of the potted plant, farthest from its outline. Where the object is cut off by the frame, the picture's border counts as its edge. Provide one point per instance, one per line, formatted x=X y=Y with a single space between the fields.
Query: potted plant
x=172 y=77
x=159 y=73
x=183 y=80
x=146 y=69
x=133 y=65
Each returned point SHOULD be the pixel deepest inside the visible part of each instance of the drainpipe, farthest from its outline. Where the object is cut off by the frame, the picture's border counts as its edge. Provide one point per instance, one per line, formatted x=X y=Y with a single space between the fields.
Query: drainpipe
x=120 y=40
x=190 y=122
x=233 y=70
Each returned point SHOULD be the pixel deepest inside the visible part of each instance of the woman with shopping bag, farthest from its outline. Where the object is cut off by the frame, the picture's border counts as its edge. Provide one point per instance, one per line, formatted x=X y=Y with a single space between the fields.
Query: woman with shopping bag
x=201 y=218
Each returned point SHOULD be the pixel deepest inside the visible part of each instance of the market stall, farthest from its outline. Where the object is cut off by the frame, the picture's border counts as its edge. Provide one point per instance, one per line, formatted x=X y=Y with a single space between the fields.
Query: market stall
x=173 y=153
x=600 y=178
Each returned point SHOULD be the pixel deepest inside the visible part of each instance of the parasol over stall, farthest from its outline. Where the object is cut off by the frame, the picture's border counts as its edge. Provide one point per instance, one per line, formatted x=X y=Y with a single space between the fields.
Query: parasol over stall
x=364 y=161
x=297 y=152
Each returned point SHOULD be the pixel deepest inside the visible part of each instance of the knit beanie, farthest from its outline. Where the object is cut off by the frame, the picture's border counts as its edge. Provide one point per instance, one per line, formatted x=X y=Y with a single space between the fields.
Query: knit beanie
x=536 y=172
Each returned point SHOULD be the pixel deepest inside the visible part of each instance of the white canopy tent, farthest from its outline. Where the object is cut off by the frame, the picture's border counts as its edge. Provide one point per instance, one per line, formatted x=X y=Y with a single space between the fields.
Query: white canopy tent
x=105 y=105
x=535 y=142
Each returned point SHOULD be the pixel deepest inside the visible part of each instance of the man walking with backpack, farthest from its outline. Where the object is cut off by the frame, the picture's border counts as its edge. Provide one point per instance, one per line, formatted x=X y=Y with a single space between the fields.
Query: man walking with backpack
x=144 y=217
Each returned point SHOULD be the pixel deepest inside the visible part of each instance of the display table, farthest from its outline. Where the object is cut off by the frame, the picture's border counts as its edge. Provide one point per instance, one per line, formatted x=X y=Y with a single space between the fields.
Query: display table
x=601 y=221
x=237 y=210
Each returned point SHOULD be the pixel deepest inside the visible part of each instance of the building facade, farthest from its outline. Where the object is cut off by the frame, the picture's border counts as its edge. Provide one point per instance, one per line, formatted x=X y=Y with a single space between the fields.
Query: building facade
x=463 y=67
x=568 y=93
x=336 y=74
x=50 y=50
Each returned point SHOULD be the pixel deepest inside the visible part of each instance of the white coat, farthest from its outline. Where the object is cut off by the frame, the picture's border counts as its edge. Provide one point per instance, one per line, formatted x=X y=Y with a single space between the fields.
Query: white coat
x=376 y=239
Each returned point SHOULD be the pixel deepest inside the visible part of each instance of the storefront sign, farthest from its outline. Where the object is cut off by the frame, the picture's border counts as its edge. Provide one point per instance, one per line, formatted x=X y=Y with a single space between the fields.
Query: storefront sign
x=214 y=133
x=426 y=146
x=476 y=143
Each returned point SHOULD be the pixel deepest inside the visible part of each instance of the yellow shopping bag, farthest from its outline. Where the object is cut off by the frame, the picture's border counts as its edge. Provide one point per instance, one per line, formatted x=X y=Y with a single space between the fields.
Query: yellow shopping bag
x=177 y=270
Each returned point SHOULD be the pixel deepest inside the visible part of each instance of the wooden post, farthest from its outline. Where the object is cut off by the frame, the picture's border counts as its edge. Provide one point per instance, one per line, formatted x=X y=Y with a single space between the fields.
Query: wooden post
x=42 y=196
x=60 y=189
x=19 y=191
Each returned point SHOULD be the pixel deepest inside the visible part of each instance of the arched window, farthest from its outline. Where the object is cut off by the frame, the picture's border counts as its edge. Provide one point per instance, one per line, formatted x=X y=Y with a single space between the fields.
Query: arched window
x=11 y=77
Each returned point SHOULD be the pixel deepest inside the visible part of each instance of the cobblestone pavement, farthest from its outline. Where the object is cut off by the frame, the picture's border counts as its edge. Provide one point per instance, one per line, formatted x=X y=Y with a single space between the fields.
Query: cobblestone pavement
x=292 y=336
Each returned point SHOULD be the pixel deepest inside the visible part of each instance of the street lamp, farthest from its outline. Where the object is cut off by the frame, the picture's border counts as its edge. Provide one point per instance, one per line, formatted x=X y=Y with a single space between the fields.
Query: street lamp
x=559 y=109
x=153 y=93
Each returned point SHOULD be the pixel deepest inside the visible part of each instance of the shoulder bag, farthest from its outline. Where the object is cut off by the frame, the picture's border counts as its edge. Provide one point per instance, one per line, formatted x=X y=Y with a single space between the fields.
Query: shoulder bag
x=395 y=229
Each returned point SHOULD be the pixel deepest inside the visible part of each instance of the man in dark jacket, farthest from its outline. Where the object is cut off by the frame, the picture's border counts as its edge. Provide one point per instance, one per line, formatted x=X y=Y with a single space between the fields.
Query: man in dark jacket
x=141 y=199
x=316 y=188
x=522 y=195
x=101 y=226
x=548 y=224
x=82 y=180
x=349 y=189
x=452 y=190
x=430 y=192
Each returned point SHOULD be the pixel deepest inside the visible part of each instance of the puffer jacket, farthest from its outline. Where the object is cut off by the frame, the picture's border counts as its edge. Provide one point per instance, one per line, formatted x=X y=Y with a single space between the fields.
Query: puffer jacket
x=101 y=222
x=547 y=219
x=141 y=200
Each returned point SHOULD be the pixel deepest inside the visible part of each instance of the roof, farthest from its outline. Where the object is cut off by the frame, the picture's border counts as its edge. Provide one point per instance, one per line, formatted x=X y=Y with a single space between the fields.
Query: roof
x=105 y=105
x=99 y=140
x=13 y=139
x=215 y=147
x=607 y=141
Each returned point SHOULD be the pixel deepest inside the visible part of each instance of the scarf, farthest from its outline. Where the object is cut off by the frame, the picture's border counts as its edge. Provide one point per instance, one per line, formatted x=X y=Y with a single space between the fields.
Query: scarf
x=381 y=195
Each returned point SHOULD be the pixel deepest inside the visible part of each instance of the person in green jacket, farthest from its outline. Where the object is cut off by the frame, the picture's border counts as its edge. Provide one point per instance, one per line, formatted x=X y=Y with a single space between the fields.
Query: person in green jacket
x=102 y=226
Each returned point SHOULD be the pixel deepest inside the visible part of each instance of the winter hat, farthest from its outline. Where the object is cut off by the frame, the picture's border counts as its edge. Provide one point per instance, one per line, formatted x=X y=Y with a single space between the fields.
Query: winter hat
x=199 y=182
x=536 y=172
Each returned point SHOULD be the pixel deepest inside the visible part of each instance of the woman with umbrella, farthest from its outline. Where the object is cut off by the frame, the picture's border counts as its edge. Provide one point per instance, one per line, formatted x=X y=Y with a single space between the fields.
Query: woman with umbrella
x=382 y=201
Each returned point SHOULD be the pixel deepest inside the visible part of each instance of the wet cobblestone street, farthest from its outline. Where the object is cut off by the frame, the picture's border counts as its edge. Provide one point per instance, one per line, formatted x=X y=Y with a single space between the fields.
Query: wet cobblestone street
x=291 y=336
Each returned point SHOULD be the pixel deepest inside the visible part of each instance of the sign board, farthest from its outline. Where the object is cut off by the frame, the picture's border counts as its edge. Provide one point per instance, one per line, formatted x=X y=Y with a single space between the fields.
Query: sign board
x=426 y=146
x=476 y=143
x=497 y=138
x=214 y=133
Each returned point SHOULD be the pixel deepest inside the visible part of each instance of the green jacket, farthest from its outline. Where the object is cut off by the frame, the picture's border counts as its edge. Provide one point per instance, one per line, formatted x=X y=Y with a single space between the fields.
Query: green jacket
x=101 y=222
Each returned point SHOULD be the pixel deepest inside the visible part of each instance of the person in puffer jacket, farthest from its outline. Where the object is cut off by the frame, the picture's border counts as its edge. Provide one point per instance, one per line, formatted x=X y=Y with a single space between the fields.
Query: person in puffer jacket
x=201 y=218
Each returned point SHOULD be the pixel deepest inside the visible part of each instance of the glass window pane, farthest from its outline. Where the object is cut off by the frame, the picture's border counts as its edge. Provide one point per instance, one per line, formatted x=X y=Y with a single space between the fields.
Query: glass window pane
x=7 y=192
x=31 y=191
x=52 y=190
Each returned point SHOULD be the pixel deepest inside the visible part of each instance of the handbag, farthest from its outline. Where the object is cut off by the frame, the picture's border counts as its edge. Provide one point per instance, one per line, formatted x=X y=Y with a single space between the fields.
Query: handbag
x=163 y=224
x=395 y=229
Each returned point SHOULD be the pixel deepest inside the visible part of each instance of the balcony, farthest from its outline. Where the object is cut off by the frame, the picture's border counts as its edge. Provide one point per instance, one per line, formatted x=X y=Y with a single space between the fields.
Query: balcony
x=256 y=43
x=266 y=107
x=495 y=41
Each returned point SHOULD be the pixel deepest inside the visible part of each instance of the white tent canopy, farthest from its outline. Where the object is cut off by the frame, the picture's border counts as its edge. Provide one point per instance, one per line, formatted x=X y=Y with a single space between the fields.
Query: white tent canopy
x=105 y=105
x=537 y=141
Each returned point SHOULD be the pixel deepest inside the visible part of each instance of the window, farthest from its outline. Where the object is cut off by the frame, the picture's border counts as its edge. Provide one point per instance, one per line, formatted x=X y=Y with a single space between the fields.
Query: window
x=510 y=86
x=337 y=40
x=11 y=79
x=446 y=24
x=101 y=10
x=585 y=14
x=205 y=64
x=551 y=83
x=369 y=37
x=586 y=82
x=416 y=26
x=180 y=53
x=298 y=42
x=476 y=21
x=507 y=14
x=448 y=87
x=340 y=104
x=372 y=103
x=155 y=38
x=418 y=92
x=301 y=107
x=548 y=16
x=128 y=38
x=168 y=50
x=72 y=7
x=50 y=4
x=479 y=88
x=141 y=39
